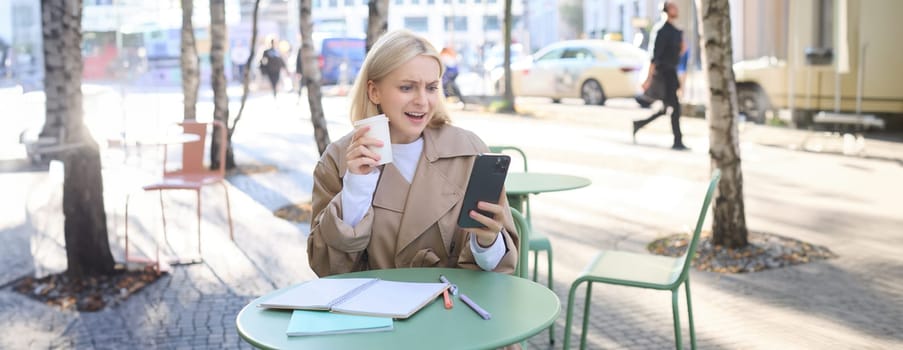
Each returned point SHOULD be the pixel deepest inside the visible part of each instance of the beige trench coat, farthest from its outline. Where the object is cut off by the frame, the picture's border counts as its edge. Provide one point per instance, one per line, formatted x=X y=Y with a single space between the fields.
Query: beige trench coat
x=408 y=225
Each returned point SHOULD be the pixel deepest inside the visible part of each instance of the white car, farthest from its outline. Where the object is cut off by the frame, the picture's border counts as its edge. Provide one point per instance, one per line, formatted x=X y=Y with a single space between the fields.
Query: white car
x=592 y=70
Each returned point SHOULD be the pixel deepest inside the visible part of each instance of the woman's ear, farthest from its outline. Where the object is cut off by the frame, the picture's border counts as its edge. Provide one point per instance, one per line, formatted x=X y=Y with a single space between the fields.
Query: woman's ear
x=372 y=92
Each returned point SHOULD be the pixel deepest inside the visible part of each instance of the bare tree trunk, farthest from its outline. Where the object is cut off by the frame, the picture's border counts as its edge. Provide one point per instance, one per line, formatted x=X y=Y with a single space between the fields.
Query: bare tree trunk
x=509 y=94
x=377 y=21
x=246 y=75
x=729 y=227
x=218 y=80
x=189 y=62
x=85 y=223
x=312 y=77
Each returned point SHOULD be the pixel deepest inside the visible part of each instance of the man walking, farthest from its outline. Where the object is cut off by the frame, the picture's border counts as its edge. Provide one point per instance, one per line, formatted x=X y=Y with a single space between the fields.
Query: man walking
x=272 y=65
x=668 y=46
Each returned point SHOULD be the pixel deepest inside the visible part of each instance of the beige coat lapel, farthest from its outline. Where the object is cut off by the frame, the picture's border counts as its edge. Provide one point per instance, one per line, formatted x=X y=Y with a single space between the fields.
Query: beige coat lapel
x=436 y=188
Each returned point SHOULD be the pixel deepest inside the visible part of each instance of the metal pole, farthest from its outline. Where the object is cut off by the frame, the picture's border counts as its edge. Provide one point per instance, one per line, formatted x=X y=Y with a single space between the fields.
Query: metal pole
x=859 y=78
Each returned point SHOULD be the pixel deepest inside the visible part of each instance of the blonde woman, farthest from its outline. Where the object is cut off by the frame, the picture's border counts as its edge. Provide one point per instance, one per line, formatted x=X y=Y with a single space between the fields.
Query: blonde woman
x=403 y=213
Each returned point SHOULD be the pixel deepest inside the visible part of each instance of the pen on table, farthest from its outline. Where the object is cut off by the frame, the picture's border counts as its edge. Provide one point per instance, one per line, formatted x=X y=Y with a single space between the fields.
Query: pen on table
x=453 y=288
x=479 y=310
x=448 y=302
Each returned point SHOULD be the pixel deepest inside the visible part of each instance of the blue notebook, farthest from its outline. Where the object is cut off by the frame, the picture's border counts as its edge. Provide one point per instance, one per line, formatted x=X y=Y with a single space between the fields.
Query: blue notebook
x=306 y=322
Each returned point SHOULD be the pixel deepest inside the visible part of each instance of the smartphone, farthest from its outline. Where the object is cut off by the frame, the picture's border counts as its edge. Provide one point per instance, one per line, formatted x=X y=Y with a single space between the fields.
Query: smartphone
x=485 y=185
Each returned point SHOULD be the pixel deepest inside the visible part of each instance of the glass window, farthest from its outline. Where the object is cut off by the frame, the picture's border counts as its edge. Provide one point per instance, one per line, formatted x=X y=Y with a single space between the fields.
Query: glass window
x=349 y=3
x=417 y=24
x=824 y=24
x=333 y=3
x=22 y=16
x=577 y=53
x=491 y=23
x=456 y=24
x=415 y=2
x=430 y=2
x=551 y=55
x=398 y=2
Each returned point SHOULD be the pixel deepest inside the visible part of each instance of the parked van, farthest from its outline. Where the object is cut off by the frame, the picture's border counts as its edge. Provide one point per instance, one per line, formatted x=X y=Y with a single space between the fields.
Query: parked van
x=840 y=56
x=340 y=59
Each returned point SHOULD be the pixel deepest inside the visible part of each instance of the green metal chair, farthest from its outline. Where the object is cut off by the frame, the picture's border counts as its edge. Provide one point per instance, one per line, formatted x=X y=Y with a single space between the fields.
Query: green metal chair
x=523 y=231
x=537 y=241
x=643 y=271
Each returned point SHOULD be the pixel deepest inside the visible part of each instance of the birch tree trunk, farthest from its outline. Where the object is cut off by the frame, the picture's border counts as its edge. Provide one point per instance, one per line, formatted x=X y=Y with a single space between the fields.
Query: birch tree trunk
x=246 y=75
x=189 y=63
x=85 y=221
x=509 y=94
x=729 y=226
x=312 y=77
x=377 y=21
x=218 y=80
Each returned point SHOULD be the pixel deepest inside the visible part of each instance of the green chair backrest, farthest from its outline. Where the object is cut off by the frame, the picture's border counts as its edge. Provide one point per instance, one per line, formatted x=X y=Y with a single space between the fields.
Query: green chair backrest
x=523 y=232
x=523 y=156
x=694 y=241
x=503 y=148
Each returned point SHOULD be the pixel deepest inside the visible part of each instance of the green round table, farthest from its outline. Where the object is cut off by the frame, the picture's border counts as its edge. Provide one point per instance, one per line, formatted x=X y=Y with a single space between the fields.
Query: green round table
x=520 y=185
x=520 y=308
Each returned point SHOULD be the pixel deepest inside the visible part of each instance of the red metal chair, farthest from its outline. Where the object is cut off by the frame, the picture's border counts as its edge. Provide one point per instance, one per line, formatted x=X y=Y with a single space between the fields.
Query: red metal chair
x=193 y=175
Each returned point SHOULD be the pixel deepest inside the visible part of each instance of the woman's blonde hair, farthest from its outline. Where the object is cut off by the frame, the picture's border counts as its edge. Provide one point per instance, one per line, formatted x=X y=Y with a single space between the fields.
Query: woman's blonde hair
x=391 y=51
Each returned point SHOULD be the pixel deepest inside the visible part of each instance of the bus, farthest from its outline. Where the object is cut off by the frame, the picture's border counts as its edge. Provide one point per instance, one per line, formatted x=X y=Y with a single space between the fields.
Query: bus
x=340 y=59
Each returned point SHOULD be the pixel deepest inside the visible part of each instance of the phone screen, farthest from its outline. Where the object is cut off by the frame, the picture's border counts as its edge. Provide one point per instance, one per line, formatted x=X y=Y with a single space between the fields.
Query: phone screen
x=487 y=177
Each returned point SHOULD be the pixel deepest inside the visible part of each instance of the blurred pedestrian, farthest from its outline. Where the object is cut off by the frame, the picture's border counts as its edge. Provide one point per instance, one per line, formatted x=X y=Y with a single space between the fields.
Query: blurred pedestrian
x=449 y=86
x=662 y=81
x=4 y=49
x=272 y=65
x=239 y=57
x=682 y=69
x=299 y=71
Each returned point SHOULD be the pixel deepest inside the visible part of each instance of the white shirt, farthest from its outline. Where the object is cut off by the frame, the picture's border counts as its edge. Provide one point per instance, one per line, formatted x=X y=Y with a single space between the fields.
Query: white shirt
x=357 y=197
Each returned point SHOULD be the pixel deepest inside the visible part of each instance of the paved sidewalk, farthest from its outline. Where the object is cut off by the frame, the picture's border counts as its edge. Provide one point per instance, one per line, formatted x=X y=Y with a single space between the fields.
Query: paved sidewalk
x=850 y=302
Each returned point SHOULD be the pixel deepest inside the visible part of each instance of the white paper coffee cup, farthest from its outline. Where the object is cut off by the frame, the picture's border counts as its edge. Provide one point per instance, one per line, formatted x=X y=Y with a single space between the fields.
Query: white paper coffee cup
x=379 y=129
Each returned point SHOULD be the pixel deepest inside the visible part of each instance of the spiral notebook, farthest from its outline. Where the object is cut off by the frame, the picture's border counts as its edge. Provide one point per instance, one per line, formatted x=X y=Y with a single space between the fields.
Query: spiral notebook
x=306 y=322
x=358 y=296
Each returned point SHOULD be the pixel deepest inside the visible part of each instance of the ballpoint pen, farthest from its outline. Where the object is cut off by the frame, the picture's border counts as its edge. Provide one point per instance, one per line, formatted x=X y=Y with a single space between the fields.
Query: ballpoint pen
x=473 y=305
x=448 y=302
x=479 y=310
x=453 y=288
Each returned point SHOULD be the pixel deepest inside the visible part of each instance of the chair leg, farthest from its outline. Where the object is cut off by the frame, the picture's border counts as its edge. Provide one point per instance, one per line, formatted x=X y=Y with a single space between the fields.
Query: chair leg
x=165 y=236
x=535 y=265
x=552 y=327
x=677 y=342
x=570 y=313
x=163 y=215
x=126 y=229
x=586 y=304
x=690 y=316
x=228 y=211
x=198 y=195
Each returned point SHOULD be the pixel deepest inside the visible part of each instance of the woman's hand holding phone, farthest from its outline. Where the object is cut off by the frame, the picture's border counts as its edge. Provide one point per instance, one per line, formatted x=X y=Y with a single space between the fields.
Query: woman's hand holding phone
x=359 y=158
x=483 y=209
x=487 y=234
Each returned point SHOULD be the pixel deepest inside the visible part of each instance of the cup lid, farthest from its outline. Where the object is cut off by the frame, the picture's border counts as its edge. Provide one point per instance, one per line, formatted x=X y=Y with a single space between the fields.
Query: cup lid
x=373 y=119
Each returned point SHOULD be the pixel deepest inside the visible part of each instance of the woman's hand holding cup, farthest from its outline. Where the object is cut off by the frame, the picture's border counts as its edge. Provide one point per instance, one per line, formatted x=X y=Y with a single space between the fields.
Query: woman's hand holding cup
x=360 y=158
x=371 y=145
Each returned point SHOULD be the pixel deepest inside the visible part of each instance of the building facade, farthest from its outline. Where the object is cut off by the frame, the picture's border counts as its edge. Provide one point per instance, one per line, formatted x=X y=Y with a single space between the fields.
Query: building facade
x=471 y=27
